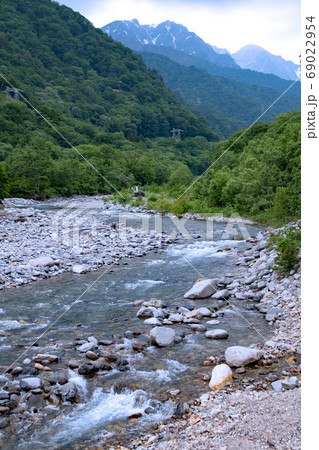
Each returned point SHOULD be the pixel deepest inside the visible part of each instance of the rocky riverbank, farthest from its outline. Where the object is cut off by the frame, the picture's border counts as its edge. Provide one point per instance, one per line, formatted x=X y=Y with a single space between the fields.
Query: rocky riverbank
x=37 y=244
x=256 y=414
x=261 y=380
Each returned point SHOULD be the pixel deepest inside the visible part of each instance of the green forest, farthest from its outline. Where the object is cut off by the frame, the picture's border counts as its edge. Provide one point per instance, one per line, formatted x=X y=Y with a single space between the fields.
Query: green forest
x=226 y=104
x=102 y=98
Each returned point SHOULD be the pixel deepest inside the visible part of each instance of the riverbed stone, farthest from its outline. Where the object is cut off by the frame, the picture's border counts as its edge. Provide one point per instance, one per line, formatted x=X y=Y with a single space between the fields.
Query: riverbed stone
x=202 y=289
x=45 y=358
x=29 y=383
x=154 y=321
x=42 y=261
x=220 y=375
x=198 y=327
x=79 y=268
x=195 y=314
x=176 y=317
x=217 y=334
x=89 y=346
x=237 y=356
x=205 y=312
x=213 y=322
x=222 y=294
x=162 y=336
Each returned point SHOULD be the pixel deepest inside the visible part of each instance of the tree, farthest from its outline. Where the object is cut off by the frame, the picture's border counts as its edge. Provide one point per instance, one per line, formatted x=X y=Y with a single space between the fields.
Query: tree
x=4 y=184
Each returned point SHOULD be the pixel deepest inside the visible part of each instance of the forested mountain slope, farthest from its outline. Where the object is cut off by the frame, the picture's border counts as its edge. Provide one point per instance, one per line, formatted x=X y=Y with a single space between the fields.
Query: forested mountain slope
x=98 y=94
x=58 y=58
x=228 y=105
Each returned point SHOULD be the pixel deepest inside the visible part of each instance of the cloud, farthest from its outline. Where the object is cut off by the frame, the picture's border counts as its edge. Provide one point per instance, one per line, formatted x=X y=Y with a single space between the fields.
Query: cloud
x=272 y=24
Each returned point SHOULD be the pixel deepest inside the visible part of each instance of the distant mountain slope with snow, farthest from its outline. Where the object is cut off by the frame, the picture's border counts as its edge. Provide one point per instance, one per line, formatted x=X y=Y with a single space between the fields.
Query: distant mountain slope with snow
x=167 y=34
x=257 y=58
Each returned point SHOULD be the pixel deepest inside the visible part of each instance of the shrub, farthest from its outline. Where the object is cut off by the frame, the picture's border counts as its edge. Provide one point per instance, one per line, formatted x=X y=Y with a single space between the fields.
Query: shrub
x=287 y=245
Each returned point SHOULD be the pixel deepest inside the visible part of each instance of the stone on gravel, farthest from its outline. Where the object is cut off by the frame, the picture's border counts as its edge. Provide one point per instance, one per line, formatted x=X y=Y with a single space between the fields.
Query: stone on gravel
x=238 y=356
x=216 y=334
x=222 y=294
x=195 y=314
x=202 y=289
x=30 y=383
x=153 y=321
x=198 y=327
x=205 y=312
x=45 y=358
x=213 y=322
x=42 y=261
x=86 y=347
x=220 y=375
x=79 y=268
x=163 y=337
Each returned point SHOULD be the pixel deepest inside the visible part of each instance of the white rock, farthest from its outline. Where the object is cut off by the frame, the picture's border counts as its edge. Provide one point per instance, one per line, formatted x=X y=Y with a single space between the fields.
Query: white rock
x=204 y=311
x=87 y=347
x=79 y=268
x=195 y=314
x=153 y=321
x=222 y=294
x=238 y=356
x=202 y=289
x=163 y=337
x=42 y=261
x=220 y=375
x=176 y=317
x=213 y=322
x=216 y=334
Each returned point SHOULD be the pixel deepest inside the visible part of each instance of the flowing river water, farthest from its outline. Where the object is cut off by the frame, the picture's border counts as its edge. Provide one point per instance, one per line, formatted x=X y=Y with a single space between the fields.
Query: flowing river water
x=106 y=310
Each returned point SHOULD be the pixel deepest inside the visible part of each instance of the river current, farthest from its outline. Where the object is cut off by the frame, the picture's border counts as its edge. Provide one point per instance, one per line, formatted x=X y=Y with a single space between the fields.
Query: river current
x=106 y=310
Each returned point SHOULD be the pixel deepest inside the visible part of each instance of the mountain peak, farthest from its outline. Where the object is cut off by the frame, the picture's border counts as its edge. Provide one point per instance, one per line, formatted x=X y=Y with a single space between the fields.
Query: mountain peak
x=254 y=57
x=167 y=34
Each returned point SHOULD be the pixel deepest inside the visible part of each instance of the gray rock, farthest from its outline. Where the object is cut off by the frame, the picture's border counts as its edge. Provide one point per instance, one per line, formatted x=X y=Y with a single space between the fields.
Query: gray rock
x=213 y=322
x=69 y=391
x=238 y=356
x=202 y=289
x=86 y=347
x=251 y=279
x=153 y=321
x=79 y=268
x=273 y=314
x=277 y=385
x=198 y=327
x=205 y=312
x=162 y=336
x=220 y=295
x=42 y=261
x=291 y=383
x=176 y=318
x=216 y=334
x=30 y=383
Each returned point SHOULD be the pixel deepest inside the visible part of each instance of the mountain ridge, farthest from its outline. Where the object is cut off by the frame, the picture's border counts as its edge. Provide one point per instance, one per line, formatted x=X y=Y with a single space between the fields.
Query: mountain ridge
x=254 y=57
x=166 y=34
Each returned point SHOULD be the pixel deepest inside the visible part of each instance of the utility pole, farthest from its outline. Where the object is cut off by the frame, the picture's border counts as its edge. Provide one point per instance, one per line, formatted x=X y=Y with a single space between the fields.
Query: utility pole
x=12 y=93
x=177 y=134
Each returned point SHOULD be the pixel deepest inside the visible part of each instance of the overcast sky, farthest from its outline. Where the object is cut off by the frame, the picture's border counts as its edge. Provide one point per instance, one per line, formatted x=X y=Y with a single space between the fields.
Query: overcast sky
x=231 y=24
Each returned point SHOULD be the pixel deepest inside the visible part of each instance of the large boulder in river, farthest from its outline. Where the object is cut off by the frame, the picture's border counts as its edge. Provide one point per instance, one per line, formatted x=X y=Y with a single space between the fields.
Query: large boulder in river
x=162 y=336
x=237 y=356
x=202 y=289
x=220 y=375
x=42 y=261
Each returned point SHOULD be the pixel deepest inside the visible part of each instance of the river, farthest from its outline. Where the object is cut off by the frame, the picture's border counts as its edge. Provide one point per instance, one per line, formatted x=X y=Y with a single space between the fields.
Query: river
x=106 y=311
